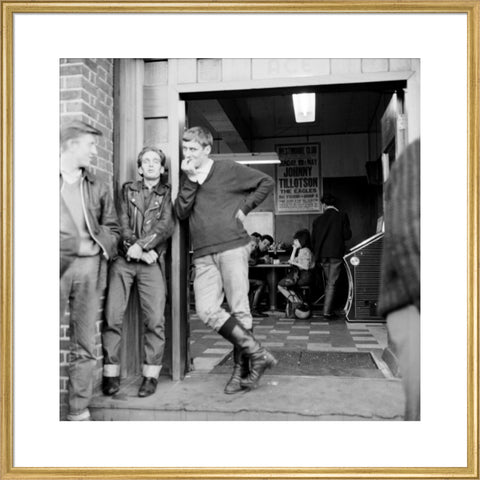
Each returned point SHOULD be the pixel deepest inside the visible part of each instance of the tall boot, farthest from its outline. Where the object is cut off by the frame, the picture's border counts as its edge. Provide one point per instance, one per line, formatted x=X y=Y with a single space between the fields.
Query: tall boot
x=240 y=370
x=260 y=358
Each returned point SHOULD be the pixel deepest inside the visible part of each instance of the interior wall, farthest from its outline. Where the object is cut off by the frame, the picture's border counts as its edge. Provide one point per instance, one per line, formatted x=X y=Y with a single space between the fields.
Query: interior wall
x=340 y=155
x=342 y=159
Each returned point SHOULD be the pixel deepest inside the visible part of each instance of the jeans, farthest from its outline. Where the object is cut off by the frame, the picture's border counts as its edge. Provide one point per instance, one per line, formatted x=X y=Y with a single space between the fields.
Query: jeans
x=81 y=287
x=152 y=296
x=332 y=268
x=219 y=275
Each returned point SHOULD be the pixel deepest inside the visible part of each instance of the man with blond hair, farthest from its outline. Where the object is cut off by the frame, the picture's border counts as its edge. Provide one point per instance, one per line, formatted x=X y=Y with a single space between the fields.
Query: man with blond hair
x=89 y=233
x=216 y=196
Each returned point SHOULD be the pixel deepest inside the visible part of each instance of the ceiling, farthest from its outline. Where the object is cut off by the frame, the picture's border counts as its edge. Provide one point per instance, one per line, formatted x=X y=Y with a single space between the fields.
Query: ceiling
x=238 y=119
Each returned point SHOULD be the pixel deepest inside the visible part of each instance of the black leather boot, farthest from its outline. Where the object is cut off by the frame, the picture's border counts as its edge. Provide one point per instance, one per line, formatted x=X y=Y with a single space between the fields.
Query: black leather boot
x=240 y=370
x=260 y=358
x=259 y=362
x=148 y=387
x=110 y=385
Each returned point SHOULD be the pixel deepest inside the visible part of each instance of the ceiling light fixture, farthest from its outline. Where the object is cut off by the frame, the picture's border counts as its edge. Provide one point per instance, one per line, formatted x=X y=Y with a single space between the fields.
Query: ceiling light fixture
x=255 y=158
x=304 y=107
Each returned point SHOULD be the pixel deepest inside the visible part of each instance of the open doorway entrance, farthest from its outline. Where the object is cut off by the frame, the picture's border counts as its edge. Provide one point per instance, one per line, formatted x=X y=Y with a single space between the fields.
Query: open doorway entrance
x=347 y=134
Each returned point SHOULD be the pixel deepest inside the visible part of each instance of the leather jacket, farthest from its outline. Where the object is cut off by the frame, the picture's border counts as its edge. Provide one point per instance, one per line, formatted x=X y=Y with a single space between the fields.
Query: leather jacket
x=100 y=217
x=148 y=225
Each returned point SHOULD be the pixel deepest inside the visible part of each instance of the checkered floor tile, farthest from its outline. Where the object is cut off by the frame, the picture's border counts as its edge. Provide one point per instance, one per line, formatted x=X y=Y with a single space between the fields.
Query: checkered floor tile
x=207 y=348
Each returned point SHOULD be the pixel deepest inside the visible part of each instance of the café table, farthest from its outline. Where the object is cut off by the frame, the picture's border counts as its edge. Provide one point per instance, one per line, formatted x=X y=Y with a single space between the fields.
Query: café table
x=272 y=270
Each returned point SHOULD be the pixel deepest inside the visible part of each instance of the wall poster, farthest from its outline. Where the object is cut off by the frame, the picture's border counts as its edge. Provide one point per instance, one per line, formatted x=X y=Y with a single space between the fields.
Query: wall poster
x=298 y=179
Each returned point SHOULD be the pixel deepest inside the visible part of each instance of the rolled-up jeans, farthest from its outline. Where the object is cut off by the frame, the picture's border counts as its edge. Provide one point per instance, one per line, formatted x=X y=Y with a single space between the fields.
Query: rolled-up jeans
x=152 y=296
x=221 y=275
x=81 y=287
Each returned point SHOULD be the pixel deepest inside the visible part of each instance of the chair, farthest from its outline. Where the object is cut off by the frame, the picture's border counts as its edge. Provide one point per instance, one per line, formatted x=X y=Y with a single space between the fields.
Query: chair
x=290 y=306
x=305 y=293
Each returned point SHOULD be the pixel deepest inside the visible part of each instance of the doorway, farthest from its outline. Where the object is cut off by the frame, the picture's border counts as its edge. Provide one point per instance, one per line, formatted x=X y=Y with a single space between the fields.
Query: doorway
x=348 y=132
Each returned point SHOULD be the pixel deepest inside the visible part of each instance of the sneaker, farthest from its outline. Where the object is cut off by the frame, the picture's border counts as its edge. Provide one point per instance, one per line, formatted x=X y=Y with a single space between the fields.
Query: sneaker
x=79 y=417
x=256 y=313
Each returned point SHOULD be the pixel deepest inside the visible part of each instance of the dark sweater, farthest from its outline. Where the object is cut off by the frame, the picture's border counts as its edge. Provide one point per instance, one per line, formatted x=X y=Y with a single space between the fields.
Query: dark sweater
x=212 y=206
x=400 y=279
x=329 y=233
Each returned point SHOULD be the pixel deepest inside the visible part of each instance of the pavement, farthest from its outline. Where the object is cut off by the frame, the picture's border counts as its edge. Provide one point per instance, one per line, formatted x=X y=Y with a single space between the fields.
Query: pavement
x=280 y=395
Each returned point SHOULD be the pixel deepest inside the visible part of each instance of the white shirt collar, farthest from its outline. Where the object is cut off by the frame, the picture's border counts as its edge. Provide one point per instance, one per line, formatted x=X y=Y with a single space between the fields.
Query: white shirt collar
x=202 y=173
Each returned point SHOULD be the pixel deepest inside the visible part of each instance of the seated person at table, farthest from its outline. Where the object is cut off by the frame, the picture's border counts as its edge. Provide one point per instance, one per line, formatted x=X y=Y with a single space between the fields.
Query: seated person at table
x=260 y=253
x=254 y=241
x=257 y=281
x=302 y=263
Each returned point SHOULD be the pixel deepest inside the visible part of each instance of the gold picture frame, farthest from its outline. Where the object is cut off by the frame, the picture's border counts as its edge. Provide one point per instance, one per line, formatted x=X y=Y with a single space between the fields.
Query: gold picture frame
x=469 y=7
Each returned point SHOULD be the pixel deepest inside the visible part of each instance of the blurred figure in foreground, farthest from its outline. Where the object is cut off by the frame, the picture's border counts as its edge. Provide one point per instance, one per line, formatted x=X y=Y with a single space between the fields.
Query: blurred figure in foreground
x=89 y=233
x=399 y=297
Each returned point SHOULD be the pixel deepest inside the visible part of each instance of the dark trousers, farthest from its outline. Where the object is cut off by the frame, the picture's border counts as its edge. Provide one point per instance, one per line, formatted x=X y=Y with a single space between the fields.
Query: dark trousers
x=256 y=289
x=152 y=296
x=331 y=268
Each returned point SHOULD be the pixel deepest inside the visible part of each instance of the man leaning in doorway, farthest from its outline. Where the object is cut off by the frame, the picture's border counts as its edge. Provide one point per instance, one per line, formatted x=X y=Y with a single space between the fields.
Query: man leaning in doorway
x=146 y=220
x=329 y=233
x=89 y=234
x=216 y=196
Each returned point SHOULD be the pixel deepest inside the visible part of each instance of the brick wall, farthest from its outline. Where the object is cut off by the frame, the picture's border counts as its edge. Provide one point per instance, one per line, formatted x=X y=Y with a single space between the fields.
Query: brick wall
x=86 y=93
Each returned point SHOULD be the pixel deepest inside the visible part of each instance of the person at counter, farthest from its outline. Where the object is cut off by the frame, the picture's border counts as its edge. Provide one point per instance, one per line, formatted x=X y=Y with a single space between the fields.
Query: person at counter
x=303 y=263
x=330 y=230
x=256 y=278
x=216 y=196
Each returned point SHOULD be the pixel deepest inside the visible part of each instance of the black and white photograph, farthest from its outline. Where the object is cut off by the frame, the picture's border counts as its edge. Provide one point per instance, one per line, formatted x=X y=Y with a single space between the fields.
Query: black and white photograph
x=240 y=239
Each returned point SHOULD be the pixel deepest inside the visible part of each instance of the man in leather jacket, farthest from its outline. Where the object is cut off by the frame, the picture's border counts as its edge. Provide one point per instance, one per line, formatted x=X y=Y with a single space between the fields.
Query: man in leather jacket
x=147 y=221
x=89 y=234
